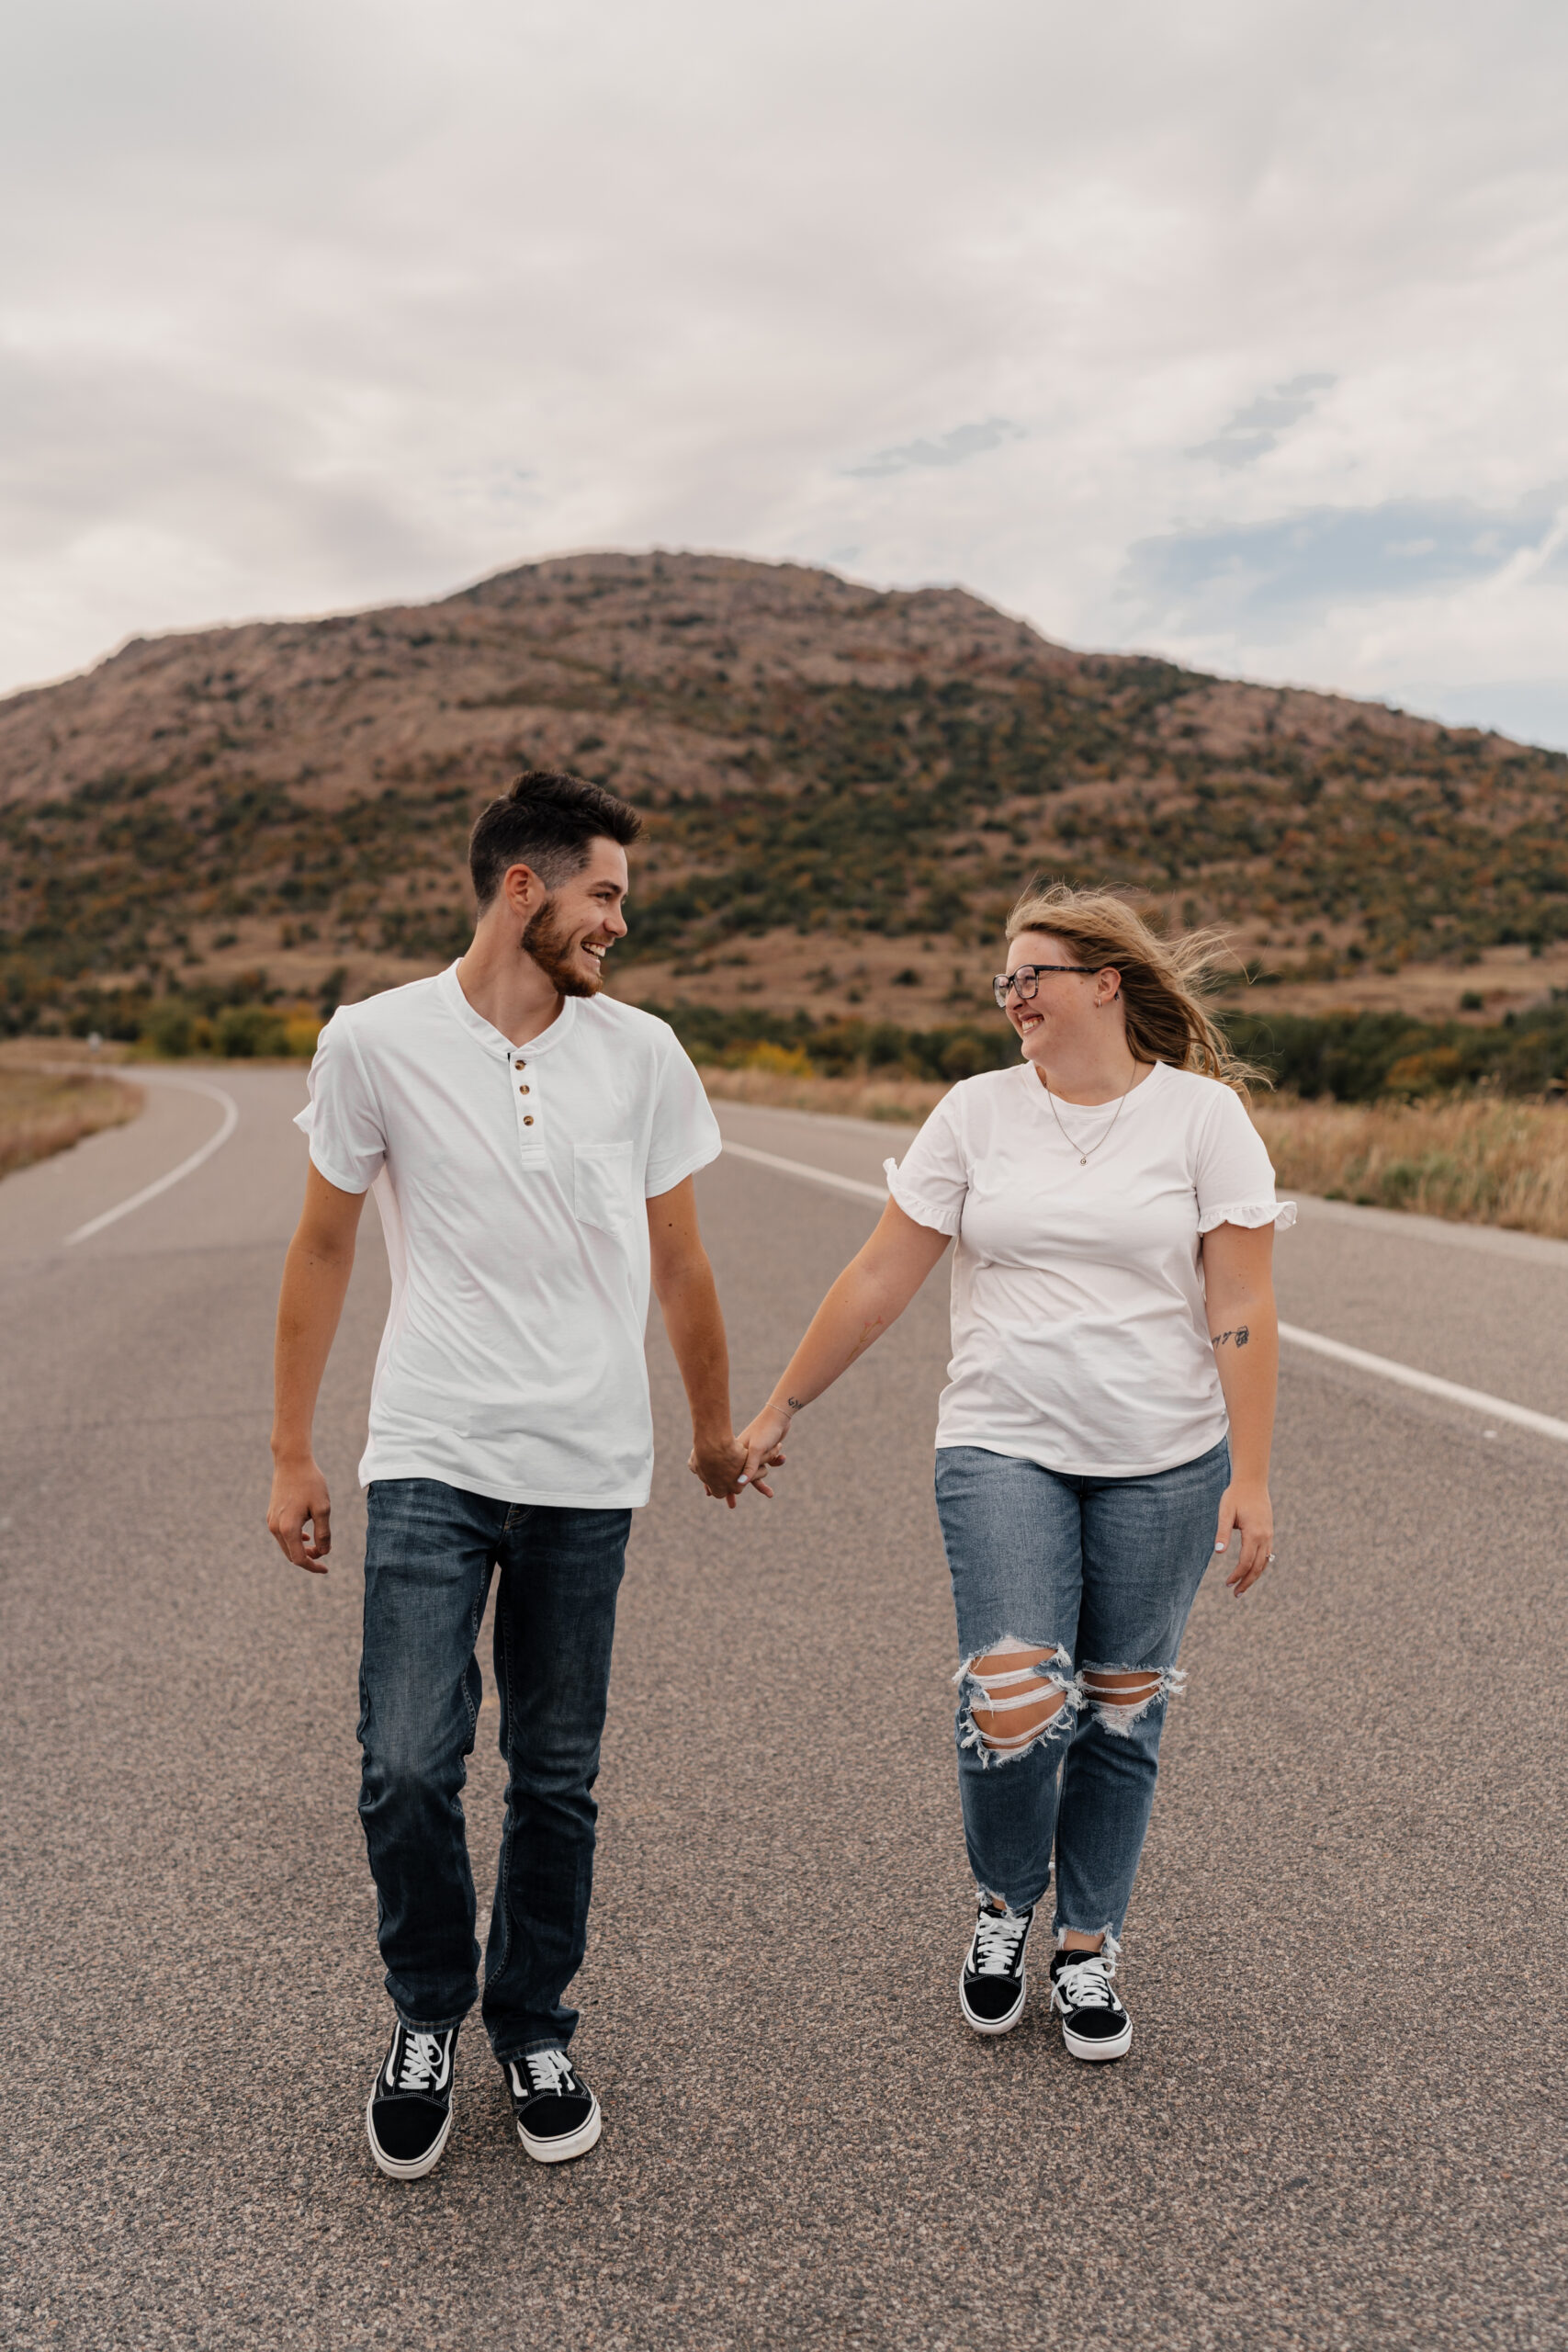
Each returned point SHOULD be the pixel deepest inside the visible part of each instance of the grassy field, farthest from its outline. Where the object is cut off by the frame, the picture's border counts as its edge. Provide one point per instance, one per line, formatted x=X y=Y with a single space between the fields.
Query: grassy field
x=1474 y=1159
x=769 y=1080
x=47 y=1110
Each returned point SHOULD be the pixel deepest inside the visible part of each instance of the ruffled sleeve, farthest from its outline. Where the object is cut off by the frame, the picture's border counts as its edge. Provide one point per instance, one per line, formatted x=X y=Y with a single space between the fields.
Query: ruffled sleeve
x=1281 y=1215
x=1234 y=1177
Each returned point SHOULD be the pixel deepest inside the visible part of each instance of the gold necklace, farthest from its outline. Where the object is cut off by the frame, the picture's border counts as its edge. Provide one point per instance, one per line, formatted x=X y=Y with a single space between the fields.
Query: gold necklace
x=1083 y=1156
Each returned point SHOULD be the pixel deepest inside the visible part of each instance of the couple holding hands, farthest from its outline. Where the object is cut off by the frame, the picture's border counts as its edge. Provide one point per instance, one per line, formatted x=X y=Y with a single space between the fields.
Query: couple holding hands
x=1104 y=1432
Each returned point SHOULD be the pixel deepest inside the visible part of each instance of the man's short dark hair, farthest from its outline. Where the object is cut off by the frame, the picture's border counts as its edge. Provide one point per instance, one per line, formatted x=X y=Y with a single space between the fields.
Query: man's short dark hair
x=548 y=821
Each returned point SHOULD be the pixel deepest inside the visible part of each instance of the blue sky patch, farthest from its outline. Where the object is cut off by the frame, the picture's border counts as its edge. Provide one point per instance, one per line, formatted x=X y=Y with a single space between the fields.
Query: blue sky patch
x=954 y=448
x=1265 y=578
x=1255 y=430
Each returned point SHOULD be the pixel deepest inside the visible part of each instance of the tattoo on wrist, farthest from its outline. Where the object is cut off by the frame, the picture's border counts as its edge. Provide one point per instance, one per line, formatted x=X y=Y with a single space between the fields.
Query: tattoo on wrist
x=1240 y=1335
x=795 y=1404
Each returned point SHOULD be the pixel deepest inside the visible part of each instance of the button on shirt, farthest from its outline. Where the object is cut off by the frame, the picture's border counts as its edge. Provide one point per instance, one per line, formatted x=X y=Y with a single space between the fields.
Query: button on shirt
x=511 y=1182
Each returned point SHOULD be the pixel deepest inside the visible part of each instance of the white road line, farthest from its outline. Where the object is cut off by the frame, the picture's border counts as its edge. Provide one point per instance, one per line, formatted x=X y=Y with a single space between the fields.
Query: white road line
x=813 y=1175
x=186 y=1168
x=1404 y=1375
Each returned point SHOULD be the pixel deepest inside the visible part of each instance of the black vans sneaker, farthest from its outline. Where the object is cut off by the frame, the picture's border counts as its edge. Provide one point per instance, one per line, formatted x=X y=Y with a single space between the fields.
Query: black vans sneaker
x=1094 y=2023
x=558 y=2115
x=409 y=2119
x=992 y=1988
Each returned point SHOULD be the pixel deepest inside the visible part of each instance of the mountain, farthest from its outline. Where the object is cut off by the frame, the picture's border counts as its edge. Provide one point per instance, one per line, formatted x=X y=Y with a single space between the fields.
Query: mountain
x=844 y=788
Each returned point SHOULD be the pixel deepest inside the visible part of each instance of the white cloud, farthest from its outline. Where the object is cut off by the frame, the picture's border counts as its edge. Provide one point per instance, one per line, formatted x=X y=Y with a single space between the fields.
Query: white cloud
x=311 y=306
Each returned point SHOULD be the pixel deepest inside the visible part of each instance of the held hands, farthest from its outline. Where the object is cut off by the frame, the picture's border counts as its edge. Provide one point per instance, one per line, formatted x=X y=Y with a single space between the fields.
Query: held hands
x=299 y=1499
x=1245 y=1510
x=720 y=1463
x=727 y=1465
x=763 y=1439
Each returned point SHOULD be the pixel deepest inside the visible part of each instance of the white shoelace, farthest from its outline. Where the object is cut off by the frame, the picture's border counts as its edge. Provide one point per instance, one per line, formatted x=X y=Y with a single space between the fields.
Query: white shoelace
x=548 y=2070
x=998 y=1935
x=1086 y=1984
x=422 y=2061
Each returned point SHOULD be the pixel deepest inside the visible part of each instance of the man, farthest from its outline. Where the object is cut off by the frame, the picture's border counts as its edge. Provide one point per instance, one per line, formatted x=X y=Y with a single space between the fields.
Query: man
x=532 y=1144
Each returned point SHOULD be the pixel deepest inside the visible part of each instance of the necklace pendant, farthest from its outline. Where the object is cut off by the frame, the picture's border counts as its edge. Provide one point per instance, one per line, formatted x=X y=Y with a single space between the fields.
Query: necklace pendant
x=1084 y=1161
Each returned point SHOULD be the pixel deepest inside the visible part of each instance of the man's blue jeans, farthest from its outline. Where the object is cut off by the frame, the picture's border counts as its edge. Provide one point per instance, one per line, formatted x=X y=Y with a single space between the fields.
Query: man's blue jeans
x=1101 y=1572
x=430 y=1553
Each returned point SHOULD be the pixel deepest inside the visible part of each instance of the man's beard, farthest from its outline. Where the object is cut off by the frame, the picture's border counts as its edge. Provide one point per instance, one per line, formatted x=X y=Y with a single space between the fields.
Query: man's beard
x=549 y=944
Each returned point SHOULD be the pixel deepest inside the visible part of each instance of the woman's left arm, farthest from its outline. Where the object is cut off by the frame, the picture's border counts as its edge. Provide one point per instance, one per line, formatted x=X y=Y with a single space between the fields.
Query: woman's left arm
x=1244 y=1331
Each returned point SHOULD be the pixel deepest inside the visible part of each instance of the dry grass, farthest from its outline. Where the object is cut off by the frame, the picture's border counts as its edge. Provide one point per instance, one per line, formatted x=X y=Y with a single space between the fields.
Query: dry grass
x=47 y=1110
x=902 y=1101
x=1473 y=1159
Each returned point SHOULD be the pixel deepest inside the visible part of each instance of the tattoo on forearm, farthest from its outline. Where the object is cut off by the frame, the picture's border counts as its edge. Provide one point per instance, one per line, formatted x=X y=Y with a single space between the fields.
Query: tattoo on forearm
x=1240 y=1335
x=795 y=1404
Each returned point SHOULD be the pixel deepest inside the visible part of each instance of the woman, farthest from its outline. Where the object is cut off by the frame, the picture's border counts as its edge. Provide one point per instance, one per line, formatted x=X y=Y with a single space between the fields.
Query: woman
x=1106 y=1425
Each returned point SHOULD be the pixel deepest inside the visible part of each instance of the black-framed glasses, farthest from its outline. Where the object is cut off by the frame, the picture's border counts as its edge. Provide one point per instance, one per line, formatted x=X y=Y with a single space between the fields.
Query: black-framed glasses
x=1026 y=979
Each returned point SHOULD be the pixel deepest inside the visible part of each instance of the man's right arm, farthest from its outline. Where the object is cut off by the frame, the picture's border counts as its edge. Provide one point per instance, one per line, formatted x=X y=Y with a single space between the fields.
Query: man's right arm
x=315 y=1281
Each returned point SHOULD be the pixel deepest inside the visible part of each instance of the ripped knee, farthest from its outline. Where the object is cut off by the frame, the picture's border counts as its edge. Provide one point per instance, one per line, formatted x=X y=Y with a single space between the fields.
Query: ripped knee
x=1119 y=1697
x=1017 y=1693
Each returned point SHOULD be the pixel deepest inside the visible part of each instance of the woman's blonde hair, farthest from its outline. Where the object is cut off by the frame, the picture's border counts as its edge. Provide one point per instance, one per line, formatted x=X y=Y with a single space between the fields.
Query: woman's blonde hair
x=1166 y=983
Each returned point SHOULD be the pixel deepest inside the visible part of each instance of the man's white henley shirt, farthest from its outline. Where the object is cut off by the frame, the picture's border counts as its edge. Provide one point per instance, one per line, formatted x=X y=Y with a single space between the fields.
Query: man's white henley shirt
x=512 y=1182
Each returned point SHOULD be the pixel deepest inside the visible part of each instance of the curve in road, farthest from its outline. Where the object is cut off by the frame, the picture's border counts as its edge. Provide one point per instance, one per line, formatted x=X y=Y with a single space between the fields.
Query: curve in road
x=187 y=1167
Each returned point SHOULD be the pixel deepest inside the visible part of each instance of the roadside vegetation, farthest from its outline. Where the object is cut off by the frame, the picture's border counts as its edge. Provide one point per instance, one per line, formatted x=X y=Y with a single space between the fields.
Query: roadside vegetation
x=778 y=1082
x=241 y=1019
x=1471 y=1159
x=43 y=1112
x=1347 y=1056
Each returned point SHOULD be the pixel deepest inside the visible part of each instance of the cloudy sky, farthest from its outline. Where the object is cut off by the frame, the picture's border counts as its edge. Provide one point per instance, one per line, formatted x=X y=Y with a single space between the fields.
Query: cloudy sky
x=1236 y=332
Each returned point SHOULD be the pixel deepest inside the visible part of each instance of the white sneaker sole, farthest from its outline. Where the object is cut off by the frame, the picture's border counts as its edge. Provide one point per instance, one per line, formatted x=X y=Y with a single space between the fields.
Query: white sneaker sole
x=570 y=2144
x=413 y=2167
x=990 y=2025
x=1078 y=2046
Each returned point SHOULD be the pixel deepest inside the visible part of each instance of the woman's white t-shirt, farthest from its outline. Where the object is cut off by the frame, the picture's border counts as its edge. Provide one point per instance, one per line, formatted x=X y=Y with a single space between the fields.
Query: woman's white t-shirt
x=1080 y=1338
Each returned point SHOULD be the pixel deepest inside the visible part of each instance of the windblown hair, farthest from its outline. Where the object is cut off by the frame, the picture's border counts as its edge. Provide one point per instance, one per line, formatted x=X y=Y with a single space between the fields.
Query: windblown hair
x=548 y=821
x=1166 y=983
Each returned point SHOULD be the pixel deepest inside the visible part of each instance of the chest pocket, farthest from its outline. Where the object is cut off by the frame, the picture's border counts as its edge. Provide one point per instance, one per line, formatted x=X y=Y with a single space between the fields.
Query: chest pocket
x=604 y=1189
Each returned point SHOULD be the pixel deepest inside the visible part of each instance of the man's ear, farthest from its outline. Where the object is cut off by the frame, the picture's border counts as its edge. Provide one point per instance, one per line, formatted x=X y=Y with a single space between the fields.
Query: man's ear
x=522 y=889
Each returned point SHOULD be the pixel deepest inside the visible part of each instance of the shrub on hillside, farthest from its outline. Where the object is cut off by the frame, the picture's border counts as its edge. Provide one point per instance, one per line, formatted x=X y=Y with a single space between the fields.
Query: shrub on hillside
x=251 y=1032
x=712 y=1033
x=1358 y=1057
x=780 y=1061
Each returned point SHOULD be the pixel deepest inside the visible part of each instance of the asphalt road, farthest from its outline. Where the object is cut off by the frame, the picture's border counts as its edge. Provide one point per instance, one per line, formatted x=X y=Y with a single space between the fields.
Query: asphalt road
x=1342 y=2121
